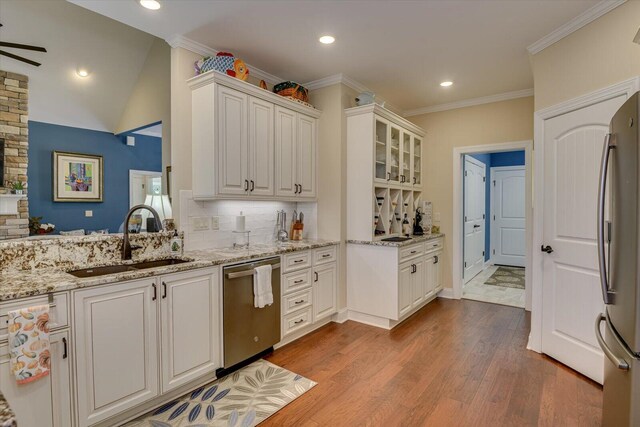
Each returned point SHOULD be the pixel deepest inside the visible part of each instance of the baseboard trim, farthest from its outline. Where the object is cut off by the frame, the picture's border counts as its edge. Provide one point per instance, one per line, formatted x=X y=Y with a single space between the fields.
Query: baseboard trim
x=370 y=320
x=341 y=316
x=446 y=293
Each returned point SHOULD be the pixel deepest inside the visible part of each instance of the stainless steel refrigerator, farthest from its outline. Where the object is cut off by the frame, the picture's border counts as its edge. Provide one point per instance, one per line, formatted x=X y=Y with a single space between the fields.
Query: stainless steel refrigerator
x=618 y=250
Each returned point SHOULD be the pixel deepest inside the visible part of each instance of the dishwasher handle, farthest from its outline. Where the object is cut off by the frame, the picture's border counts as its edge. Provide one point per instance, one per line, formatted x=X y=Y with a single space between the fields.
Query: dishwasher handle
x=248 y=272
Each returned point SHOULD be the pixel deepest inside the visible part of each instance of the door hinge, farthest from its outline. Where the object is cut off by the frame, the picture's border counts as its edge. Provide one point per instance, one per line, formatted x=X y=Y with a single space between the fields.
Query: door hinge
x=494 y=251
x=494 y=217
x=465 y=218
x=484 y=179
x=494 y=182
x=465 y=173
x=482 y=253
x=465 y=265
x=482 y=216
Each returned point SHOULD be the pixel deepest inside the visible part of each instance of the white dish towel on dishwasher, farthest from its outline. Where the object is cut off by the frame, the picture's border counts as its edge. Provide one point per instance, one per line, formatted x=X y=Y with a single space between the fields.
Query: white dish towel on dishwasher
x=262 y=293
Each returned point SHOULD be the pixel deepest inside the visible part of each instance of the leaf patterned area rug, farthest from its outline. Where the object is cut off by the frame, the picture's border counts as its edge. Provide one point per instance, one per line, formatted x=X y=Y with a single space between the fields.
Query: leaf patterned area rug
x=243 y=399
x=508 y=277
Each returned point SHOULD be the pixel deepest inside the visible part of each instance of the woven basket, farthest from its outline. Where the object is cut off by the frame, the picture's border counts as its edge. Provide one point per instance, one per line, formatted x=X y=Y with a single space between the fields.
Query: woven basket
x=292 y=90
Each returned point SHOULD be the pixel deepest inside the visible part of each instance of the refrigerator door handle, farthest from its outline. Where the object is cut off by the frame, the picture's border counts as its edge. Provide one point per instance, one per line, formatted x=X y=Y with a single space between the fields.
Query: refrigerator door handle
x=609 y=144
x=617 y=361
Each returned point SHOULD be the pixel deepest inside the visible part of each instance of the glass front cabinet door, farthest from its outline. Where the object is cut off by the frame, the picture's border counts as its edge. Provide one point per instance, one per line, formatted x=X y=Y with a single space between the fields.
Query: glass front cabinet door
x=417 y=162
x=395 y=174
x=407 y=148
x=381 y=167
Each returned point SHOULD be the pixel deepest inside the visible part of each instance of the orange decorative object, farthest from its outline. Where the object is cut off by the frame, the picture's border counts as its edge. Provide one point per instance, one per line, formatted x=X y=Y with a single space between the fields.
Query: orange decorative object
x=263 y=85
x=240 y=70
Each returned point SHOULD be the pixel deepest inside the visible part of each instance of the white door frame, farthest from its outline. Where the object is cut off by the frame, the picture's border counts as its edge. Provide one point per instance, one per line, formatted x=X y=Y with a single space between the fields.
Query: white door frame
x=628 y=88
x=458 y=235
x=133 y=172
x=492 y=199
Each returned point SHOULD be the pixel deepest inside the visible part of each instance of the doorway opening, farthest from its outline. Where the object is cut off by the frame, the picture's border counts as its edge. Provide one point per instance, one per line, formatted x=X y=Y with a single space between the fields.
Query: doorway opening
x=492 y=223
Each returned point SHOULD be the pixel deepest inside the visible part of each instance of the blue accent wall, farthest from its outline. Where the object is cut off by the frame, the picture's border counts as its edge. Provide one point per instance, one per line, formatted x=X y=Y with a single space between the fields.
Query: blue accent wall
x=492 y=160
x=118 y=159
x=508 y=158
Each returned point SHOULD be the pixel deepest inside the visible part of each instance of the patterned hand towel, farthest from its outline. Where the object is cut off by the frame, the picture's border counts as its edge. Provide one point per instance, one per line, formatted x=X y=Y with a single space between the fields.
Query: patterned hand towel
x=29 y=343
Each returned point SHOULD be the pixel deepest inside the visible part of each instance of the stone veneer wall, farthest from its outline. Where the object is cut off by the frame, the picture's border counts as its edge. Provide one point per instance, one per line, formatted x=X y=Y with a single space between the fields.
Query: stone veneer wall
x=14 y=118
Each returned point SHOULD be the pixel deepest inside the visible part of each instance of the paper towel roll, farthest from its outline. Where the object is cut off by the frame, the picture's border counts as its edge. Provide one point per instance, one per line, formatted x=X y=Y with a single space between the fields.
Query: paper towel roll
x=240 y=222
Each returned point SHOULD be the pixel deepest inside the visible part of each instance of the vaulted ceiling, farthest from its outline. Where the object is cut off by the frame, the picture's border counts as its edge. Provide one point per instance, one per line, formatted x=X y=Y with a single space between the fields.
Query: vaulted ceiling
x=74 y=37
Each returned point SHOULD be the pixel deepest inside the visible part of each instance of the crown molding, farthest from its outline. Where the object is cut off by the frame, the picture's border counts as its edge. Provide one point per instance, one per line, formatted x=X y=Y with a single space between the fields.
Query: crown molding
x=204 y=50
x=350 y=82
x=575 y=24
x=470 y=102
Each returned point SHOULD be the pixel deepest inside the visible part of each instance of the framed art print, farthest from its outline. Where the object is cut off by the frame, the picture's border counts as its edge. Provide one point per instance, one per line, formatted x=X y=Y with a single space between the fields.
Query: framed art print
x=77 y=177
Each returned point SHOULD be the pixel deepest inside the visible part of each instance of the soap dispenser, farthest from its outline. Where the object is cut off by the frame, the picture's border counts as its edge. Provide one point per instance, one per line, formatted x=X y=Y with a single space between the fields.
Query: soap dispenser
x=177 y=246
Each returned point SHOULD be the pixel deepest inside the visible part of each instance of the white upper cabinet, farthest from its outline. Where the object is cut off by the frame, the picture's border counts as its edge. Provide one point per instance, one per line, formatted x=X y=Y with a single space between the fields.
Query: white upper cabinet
x=249 y=142
x=233 y=146
x=285 y=152
x=306 y=156
x=261 y=147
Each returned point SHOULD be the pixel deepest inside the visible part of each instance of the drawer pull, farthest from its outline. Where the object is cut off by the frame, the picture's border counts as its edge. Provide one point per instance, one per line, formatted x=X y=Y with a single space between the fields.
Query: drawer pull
x=299 y=302
x=297 y=322
x=297 y=261
x=298 y=281
x=326 y=255
x=413 y=252
x=64 y=344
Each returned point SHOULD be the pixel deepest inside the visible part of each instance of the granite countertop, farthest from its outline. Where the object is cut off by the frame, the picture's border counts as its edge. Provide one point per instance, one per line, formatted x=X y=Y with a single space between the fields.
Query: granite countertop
x=414 y=239
x=25 y=283
x=7 y=417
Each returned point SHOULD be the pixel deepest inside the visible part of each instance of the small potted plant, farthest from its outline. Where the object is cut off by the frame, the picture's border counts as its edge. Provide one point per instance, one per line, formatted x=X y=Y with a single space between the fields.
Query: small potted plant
x=18 y=187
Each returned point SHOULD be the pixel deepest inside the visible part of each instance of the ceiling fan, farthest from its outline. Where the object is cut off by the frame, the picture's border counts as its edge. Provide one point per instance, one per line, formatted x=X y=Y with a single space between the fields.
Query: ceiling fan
x=20 y=46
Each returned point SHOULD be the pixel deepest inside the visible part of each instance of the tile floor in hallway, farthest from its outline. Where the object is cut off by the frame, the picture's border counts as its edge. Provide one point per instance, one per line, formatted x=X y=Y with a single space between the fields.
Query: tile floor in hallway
x=477 y=290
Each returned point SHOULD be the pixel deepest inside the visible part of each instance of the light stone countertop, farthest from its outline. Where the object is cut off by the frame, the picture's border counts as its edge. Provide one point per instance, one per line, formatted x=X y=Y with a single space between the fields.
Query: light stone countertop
x=26 y=283
x=7 y=417
x=414 y=239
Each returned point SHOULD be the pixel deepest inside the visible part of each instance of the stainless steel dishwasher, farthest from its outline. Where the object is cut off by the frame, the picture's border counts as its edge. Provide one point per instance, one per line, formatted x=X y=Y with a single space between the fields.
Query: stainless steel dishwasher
x=249 y=331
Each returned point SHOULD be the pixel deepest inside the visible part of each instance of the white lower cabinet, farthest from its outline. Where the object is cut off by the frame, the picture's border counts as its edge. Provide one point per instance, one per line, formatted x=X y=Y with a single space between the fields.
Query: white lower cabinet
x=116 y=348
x=47 y=401
x=386 y=284
x=309 y=291
x=137 y=340
x=324 y=291
x=190 y=325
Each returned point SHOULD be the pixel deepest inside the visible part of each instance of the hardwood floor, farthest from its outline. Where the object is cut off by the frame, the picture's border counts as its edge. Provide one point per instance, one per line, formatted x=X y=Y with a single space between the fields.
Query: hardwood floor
x=454 y=363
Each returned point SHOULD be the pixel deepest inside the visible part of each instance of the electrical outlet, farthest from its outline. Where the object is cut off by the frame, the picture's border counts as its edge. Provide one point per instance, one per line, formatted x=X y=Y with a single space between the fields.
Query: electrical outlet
x=88 y=214
x=436 y=216
x=200 y=223
x=215 y=223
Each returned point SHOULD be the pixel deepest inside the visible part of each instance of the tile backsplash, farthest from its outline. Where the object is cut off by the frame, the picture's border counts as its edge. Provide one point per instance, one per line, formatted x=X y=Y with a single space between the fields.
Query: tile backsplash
x=260 y=218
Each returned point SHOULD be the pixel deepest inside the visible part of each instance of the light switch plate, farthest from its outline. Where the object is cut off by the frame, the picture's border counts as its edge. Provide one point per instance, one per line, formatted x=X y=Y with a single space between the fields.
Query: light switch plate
x=436 y=216
x=215 y=223
x=200 y=223
x=88 y=214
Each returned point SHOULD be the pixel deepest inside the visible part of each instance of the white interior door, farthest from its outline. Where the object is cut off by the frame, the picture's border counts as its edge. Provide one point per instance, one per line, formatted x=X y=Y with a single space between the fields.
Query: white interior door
x=571 y=298
x=474 y=208
x=508 y=240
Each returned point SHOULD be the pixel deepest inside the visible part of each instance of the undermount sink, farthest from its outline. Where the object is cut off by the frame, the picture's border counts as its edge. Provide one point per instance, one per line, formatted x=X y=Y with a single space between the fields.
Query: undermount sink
x=113 y=269
x=158 y=263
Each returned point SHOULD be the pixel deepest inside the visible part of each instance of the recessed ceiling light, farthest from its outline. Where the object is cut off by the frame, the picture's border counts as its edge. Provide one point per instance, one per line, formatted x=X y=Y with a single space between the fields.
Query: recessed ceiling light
x=150 y=4
x=446 y=84
x=82 y=73
x=327 y=39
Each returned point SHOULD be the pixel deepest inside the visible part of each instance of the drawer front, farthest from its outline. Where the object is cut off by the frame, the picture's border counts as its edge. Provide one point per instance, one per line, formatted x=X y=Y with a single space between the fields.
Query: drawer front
x=410 y=252
x=324 y=255
x=58 y=315
x=296 y=261
x=296 y=320
x=296 y=281
x=296 y=301
x=433 y=245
